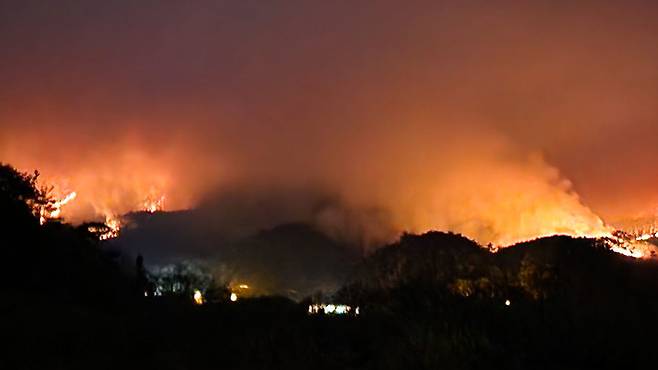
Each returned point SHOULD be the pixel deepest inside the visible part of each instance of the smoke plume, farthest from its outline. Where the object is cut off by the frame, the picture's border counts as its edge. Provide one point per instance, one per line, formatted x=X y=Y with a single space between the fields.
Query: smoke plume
x=364 y=119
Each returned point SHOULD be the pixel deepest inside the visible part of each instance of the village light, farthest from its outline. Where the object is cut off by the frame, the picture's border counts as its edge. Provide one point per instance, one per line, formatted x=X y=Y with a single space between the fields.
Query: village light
x=331 y=309
x=198 y=297
x=341 y=309
x=507 y=302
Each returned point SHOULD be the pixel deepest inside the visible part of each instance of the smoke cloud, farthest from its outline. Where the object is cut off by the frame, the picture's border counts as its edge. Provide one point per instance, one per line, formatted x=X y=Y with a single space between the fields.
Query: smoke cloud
x=365 y=119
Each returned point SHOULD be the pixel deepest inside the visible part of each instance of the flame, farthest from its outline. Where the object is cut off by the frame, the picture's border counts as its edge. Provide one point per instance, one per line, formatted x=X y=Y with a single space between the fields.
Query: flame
x=645 y=237
x=54 y=210
x=114 y=226
x=124 y=177
x=634 y=240
x=152 y=205
x=103 y=207
x=108 y=204
x=629 y=250
x=632 y=248
x=633 y=244
x=496 y=201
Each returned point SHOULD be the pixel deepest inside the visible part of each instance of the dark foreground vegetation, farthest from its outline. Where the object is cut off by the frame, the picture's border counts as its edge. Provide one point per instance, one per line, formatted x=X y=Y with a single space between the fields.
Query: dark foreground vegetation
x=435 y=301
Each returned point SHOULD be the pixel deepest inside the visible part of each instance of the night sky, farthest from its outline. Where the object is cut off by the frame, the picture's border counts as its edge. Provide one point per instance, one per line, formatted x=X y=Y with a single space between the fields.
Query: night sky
x=501 y=120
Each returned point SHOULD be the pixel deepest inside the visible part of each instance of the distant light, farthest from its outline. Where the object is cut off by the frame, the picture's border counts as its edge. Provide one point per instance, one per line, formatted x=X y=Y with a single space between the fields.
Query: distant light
x=243 y=286
x=198 y=297
x=234 y=297
x=507 y=302
x=331 y=309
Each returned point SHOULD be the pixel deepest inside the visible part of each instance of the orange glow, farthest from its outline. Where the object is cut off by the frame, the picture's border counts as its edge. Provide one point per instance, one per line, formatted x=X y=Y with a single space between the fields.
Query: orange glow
x=124 y=175
x=114 y=225
x=154 y=204
x=632 y=250
x=631 y=246
x=55 y=209
x=497 y=203
x=433 y=128
x=503 y=202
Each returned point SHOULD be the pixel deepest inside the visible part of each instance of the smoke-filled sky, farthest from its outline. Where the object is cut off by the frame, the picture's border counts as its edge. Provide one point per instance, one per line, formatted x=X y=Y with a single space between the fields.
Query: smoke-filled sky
x=501 y=120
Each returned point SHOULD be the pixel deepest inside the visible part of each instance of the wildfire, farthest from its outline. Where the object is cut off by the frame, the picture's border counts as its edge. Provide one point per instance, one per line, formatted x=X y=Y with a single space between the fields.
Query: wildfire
x=112 y=221
x=634 y=244
x=648 y=236
x=628 y=250
x=632 y=248
x=54 y=210
x=113 y=224
x=152 y=205
x=530 y=200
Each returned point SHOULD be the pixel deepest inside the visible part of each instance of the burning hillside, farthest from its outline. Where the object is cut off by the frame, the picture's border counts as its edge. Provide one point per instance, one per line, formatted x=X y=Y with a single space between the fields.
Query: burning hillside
x=112 y=220
x=528 y=202
x=54 y=209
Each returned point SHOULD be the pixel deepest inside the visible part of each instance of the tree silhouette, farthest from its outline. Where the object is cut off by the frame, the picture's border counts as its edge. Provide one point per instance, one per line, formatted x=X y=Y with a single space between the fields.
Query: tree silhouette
x=21 y=199
x=54 y=259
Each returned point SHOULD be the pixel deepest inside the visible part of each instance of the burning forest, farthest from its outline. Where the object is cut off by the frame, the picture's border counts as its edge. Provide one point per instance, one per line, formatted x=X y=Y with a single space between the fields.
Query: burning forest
x=308 y=184
x=556 y=210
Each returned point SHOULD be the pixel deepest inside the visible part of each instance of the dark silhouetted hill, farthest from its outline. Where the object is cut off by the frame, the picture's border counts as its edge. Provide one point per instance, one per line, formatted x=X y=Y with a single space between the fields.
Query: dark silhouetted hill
x=293 y=259
x=432 y=301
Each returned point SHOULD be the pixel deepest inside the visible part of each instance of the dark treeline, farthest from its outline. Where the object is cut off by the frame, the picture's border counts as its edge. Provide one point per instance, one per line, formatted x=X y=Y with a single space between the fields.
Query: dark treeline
x=433 y=301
